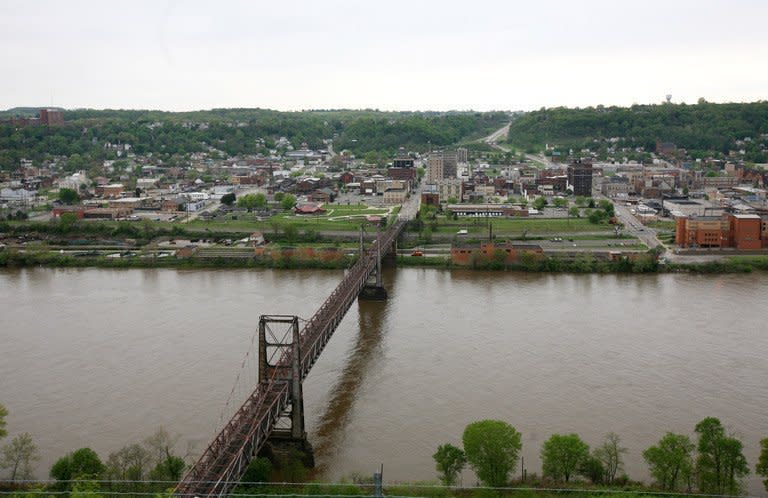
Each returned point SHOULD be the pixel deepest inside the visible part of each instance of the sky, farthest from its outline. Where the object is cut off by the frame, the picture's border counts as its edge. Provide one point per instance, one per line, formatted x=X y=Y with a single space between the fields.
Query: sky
x=389 y=55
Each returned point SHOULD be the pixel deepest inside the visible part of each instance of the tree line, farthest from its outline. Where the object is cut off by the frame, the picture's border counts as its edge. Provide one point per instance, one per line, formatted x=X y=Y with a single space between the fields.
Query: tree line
x=714 y=464
x=234 y=132
x=702 y=129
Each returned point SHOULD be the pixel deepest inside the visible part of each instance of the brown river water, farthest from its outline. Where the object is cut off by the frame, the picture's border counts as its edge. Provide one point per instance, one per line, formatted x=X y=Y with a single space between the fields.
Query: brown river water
x=101 y=358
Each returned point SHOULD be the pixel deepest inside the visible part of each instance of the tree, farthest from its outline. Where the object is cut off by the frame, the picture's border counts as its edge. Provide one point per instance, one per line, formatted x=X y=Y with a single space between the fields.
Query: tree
x=86 y=463
x=259 y=470
x=539 y=203
x=559 y=202
x=592 y=468
x=609 y=454
x=68 y=196
x=762 y=463
x=18 y=456
x=721 y=463
x=3 y=414
x=573 y=212
x=670 y=461
x=562 y=455
x=289 y=200
x=130 y=463
x=167 y=466
x=449 y=461
x=492 y=448
x=607 y=206
x=252 y=201
x=228 y=199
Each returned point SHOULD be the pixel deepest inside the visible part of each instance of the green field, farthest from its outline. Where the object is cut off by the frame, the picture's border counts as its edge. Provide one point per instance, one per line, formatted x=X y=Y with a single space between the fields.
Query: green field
x=343 y=218
x=516 y=226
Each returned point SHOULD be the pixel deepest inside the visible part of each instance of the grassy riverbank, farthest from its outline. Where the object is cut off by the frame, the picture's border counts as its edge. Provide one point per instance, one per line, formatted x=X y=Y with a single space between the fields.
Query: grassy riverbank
x=585 y=263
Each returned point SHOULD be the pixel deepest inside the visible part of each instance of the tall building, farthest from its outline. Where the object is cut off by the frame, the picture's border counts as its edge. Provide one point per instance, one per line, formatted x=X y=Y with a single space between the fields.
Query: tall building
x=462 y=155
x=580 y=177
x=50 y=117
x=435 y=167
x=449 y=164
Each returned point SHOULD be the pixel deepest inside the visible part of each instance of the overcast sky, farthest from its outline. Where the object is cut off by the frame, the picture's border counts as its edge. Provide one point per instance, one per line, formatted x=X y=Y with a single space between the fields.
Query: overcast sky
x=391 y=54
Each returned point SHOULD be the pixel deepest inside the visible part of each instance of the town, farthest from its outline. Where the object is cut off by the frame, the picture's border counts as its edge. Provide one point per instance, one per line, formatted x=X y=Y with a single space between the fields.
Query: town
x=481 y=204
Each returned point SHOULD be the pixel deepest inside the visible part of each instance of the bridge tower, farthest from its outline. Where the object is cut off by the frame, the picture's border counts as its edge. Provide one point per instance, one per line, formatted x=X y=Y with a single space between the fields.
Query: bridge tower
x=280 y=361
x=374 y=290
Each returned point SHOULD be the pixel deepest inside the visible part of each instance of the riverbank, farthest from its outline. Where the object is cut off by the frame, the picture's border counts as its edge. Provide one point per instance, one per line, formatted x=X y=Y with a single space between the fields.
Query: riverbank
x=586 y=263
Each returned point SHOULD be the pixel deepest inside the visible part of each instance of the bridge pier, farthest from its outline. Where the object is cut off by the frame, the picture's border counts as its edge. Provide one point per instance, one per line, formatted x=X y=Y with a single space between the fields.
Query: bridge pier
x=289 y=438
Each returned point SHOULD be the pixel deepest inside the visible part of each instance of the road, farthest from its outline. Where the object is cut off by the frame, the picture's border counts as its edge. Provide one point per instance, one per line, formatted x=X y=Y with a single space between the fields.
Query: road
x=634 y=227
x=502 y=132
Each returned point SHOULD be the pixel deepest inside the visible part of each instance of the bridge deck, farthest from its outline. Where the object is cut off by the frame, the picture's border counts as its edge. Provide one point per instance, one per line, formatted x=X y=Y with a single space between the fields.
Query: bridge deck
x=226 y=458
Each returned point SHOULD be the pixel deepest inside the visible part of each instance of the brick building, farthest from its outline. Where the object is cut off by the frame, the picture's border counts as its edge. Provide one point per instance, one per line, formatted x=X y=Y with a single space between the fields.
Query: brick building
x=737 y=231
x=489 y=252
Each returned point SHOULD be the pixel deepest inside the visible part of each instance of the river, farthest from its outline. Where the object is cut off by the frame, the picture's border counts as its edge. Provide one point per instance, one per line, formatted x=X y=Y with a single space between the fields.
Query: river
x=101 y=358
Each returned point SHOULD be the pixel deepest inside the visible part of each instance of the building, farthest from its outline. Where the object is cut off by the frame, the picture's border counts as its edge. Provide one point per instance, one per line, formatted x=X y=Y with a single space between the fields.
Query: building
x=487 y=210
x=449 y=189
x=580 y=177
x=449 y=164
x=435 y=167
x=462 y=155
x=403 y=162
x=50 y=117
x=614 y=186
x=738 y=231
x=111 y=191
x=394 y=196
x=491 y=252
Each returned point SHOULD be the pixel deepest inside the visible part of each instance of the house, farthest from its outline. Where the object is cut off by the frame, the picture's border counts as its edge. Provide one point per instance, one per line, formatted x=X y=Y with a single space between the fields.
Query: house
x=322 y=195
x=308 y=209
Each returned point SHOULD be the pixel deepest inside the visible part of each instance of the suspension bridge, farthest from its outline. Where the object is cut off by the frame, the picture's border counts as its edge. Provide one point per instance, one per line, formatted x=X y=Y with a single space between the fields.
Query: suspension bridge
x=286 y=355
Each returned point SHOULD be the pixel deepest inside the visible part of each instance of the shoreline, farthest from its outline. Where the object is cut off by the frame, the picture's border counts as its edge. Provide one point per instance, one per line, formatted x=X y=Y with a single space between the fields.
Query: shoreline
x=586 y=264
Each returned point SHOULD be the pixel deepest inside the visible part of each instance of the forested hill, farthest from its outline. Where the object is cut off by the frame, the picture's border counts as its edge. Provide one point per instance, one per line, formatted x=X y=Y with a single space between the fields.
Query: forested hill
x=699 y=128
x=240 y=131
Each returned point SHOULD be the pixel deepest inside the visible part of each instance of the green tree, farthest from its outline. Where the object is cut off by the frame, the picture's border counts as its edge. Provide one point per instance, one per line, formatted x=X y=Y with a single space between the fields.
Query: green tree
x=252 y=201
x=573 y=212
x=610 y=456
x=721 y=463
x=130 y=463
x=259 y=470
x=83 y=463
x=671 y=462
x=449 y=461
x=539 y=203
x=68 y=196
x=160 y=448
x=561 y=456
x=228 y=199
x=559 y=202
x=762 y=463
x=592 y=468
x=18 y=456
x=288 y=202
x=3 y=414
x=492 y=448
x=607 y=206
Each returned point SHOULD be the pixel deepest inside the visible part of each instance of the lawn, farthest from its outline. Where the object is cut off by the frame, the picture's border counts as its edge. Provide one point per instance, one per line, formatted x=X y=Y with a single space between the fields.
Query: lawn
x=507 y=226
x=343 y=218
